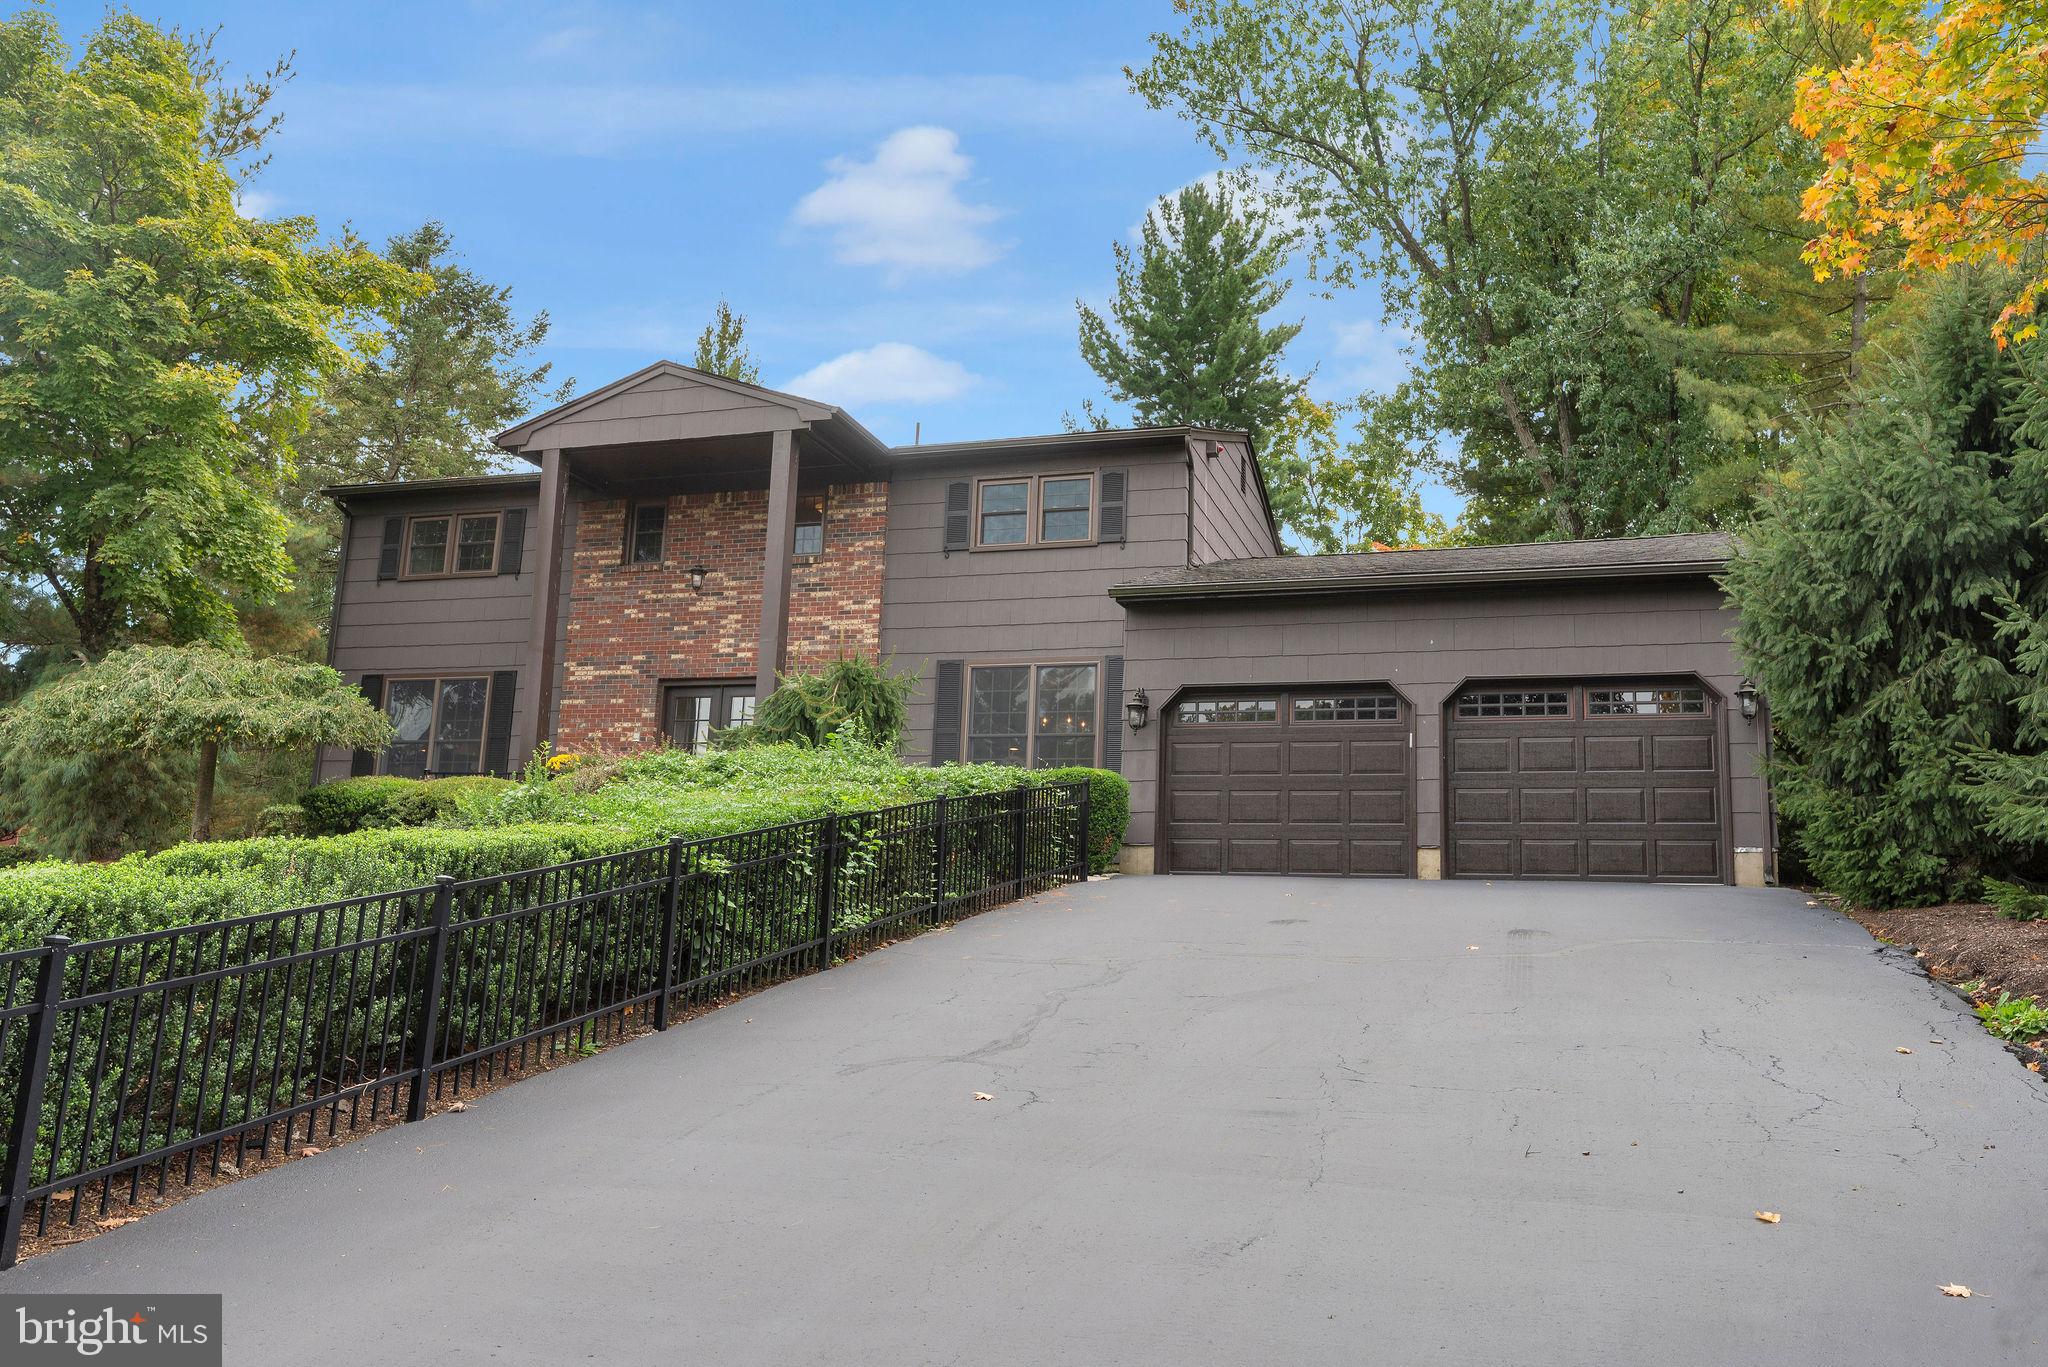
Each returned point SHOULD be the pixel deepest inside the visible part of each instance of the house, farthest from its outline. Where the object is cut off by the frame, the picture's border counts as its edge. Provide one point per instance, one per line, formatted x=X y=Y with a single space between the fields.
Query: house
x=1561 y=710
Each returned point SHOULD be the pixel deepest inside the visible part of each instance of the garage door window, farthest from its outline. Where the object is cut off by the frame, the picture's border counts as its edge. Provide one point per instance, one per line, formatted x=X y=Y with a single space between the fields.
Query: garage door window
x=1646 y=702
x=1348 y=707
x=1213 y=711
x=1043 y=716
x=1515 y=703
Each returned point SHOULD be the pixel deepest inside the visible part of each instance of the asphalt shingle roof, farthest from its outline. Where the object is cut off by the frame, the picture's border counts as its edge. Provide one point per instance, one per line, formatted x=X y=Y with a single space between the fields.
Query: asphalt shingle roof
x=1624 y=557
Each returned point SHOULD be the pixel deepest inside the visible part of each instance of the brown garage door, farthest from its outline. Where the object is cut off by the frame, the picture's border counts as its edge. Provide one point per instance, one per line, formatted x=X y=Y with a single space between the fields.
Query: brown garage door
x=1596 y=780
x=1291 y=781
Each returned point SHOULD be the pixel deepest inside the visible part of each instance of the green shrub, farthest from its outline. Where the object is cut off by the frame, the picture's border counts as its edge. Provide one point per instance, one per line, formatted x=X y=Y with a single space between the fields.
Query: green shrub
x=351 y=804
x=281 y=818
x=1109 y=810
x=438 y=799
x=2013 y=1018
x=2015 y=902
x=17 y=853
x=808 y=709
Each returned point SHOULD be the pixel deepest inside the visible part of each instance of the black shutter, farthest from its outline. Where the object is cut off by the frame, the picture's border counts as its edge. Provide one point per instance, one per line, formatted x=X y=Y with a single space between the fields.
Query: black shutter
x=394 y=537
x=946 y=681
x=1109 y=522
x=1113 y=714
x=959 y=516
x=498 y=725
x=511 y=540
x=365 y=761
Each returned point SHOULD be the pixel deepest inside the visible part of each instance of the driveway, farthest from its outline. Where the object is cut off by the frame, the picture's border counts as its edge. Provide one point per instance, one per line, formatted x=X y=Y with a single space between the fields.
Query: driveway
x=1234 y=1121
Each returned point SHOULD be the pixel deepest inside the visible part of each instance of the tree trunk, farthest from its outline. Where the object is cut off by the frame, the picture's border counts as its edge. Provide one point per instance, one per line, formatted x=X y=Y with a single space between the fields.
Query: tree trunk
x=202 y=802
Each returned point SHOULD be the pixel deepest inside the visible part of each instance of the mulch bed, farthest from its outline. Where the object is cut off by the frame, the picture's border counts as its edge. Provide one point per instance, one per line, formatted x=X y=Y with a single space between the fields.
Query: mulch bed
x=1968 y=942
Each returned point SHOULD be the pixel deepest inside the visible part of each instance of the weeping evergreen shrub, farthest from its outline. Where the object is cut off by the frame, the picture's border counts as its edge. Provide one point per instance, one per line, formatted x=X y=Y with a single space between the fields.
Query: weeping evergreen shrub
x=807 y=709
x=1890 y=595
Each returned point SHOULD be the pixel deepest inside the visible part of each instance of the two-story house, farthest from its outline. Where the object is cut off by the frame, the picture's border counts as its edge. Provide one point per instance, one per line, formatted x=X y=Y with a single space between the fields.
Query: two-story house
x=1117 y=598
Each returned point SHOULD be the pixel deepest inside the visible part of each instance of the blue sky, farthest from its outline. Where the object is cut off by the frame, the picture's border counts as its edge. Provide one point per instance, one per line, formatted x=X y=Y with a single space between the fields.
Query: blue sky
x=905 y=200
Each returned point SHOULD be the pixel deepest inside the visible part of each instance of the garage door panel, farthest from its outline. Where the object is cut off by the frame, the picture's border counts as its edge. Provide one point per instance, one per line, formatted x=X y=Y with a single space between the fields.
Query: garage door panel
x=1315 y=757
x=1380 y=858
x=1550 y=805
x=1196 y=856
x=1195 y=758
x=1259 y=806
x=1315 y=856
x=1249 y=855
x=1379 y=807
x=1315 y=806
x=1194 y=804
x=1388 y=757
x=1627 y=790
x=1255 y=757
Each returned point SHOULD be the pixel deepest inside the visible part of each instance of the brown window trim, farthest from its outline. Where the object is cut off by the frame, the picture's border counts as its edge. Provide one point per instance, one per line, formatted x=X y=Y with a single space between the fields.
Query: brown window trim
x=434 y=723
x=824 y=520
x=1034 y=508
x=633 y=507
x=1099 y=665
x=454 y=521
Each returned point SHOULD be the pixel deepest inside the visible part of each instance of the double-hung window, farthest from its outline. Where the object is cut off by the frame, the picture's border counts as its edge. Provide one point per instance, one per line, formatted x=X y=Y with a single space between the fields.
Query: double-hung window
x=810 y=525
x=451 y=543
x=1037 y=716
x=440 y=725
x=1035 y=510
x=645 y=525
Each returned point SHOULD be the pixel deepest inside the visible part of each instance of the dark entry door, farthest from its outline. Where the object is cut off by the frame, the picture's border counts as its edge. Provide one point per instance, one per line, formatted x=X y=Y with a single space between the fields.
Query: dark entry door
x=691 y=712
x=1290 y=781
x=1585 y=780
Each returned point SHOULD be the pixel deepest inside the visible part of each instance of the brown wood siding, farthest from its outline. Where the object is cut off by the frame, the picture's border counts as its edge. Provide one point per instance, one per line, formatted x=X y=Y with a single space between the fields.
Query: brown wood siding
x=1229 y=520
x=471 y=624
x=1425 y=644
x=1042 y=604
x=663 y=408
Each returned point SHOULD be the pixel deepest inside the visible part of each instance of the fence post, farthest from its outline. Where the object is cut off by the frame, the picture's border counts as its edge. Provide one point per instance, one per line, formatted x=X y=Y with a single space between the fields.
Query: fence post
x=939 y=853
x=1087 y=834
x=429 y=1017
x=1022 y=797
x=671 y=905
x=28 y=1100
x=828 y=852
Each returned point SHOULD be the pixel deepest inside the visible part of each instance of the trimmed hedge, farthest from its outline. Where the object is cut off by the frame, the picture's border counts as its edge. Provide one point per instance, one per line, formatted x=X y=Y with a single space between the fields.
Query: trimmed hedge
x=356 y=804
x=1109 y=811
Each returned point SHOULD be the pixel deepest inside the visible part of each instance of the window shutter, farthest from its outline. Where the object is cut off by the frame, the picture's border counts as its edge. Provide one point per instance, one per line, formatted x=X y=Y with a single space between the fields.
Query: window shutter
x=511 y=540
x=365 y=761
x=946 y=682
x=387 y=558
x=1113 y=714
x=498 y=725
x=959 y=515
x=1109 y=522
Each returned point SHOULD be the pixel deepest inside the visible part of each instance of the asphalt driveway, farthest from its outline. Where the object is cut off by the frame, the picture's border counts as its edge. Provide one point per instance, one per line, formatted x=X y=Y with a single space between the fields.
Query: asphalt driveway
x=1234 y=1121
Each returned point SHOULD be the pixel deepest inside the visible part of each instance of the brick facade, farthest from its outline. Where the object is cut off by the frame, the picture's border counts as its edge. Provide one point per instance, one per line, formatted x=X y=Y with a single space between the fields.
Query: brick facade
x=629 y=629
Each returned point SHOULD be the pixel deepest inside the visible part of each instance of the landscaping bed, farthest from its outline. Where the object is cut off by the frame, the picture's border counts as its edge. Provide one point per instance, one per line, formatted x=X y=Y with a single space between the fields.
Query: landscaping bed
x=1990 y=958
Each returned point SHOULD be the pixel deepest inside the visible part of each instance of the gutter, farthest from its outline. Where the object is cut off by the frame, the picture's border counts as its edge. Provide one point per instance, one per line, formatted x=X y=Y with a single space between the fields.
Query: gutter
x=1382 y=583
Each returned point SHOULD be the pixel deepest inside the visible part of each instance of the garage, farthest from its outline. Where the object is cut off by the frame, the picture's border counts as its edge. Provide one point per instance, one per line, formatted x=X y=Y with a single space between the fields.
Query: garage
x=1308 y=781
x=1607 y=780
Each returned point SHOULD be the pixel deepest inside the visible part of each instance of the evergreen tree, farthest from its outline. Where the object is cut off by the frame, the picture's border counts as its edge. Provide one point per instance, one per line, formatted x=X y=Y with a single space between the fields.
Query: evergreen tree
x=1186 y=341
x=1890 y=595
x=722 y=347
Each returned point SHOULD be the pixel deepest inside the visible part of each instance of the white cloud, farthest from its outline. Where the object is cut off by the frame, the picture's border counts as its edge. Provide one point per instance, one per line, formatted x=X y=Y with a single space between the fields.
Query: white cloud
x=888 y=372
x=257 y=203
x=1247 y=187
x=903 y=211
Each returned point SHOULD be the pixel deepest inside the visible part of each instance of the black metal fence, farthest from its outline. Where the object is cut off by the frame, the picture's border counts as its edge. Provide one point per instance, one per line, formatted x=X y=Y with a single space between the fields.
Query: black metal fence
x=172 y=1055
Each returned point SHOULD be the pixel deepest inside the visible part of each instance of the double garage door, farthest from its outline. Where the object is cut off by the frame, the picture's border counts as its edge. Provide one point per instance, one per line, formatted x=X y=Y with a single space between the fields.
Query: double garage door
x=1593 y=780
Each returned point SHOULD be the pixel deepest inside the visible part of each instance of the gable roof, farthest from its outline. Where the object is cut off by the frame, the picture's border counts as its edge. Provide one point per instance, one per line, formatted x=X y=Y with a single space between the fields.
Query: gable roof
x=808 y=411
x=1688 y=554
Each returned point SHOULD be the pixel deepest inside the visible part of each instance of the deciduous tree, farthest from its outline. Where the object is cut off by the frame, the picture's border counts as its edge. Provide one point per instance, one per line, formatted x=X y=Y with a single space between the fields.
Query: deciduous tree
x=722 y=347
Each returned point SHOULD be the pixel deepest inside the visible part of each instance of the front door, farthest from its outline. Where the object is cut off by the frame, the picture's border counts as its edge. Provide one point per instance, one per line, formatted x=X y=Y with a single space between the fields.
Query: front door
x=691 y=712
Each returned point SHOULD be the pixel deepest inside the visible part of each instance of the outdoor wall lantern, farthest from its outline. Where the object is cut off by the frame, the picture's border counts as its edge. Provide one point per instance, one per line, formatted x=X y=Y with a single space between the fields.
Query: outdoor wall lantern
x=1745 y=698
x=1137 y=710
x=697 y=573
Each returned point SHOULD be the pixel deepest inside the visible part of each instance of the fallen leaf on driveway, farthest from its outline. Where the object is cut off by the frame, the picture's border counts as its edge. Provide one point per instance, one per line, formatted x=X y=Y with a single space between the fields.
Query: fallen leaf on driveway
x=1471 y=946
x=308 y=1151
x=1769 y=1217
x=983 y=1096
x=1955 y=1291
x=118 y=1221
x=1904 y=1050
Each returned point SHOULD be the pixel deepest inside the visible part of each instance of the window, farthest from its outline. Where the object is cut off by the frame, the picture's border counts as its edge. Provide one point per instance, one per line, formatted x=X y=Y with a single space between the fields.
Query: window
x=1349 y=707
x=645 y=524
x=1496 y=703
x=1042 y=716
x=1043 y=510
x=1210 y=711
x=1646 y=702
x=810 y=526
x=691 y=712
x=475 y=548
x=440 y=725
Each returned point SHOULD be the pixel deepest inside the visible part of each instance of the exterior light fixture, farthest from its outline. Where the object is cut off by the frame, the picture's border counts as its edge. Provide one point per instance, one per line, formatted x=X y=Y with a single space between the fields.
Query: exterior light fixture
x=697 y=573
x=1138 y=710
x=1745 y=698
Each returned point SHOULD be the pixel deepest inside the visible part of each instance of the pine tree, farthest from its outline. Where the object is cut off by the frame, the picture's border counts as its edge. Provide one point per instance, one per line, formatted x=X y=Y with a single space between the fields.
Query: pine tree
x=1887 y=593
x=1186 y=340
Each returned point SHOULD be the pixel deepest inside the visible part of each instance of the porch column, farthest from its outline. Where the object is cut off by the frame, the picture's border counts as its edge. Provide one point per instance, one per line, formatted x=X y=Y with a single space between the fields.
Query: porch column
x=775 y=567
x=537 y=676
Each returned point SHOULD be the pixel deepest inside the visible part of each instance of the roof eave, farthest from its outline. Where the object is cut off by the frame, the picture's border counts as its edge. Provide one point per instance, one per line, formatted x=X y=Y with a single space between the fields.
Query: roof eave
x=1354 y=584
